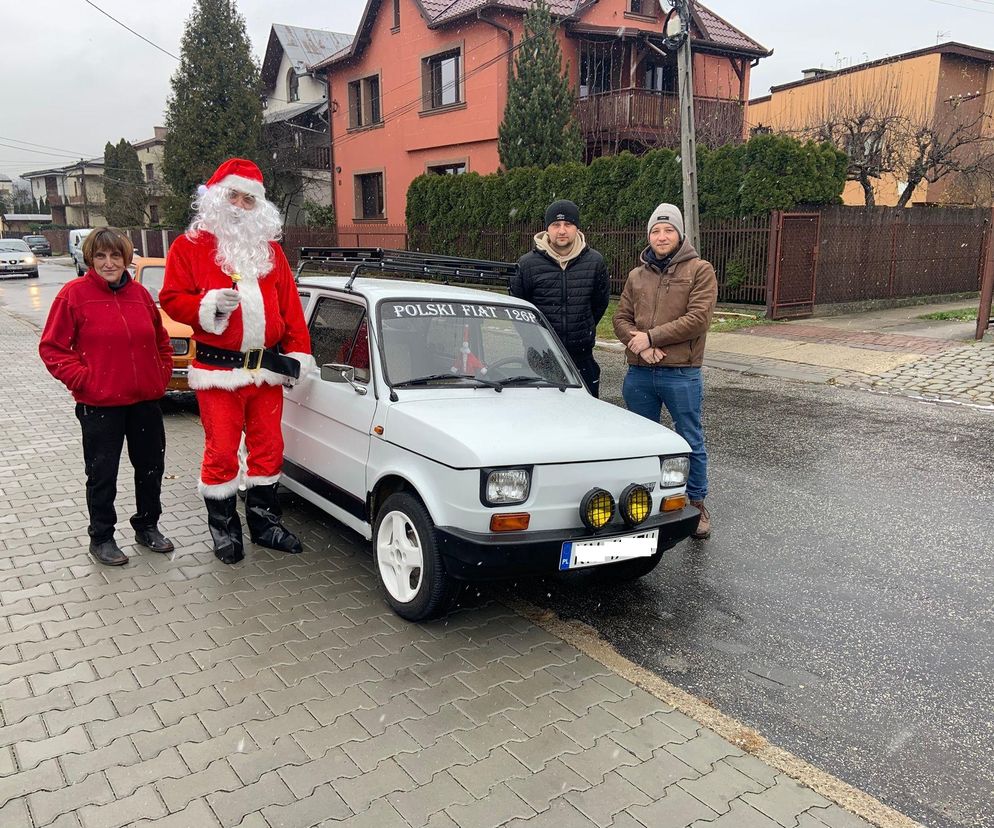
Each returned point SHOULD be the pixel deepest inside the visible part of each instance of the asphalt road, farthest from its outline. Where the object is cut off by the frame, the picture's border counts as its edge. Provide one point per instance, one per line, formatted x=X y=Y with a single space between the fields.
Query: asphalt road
x=842 y=606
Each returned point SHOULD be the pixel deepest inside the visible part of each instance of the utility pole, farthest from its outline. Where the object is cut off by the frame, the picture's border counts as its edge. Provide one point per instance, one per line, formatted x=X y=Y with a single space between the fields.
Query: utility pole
x=678 y=36
x=82 y=188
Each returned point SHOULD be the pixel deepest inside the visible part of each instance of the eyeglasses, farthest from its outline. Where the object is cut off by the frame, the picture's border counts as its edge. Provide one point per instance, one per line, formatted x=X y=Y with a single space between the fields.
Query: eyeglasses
x=238 y=197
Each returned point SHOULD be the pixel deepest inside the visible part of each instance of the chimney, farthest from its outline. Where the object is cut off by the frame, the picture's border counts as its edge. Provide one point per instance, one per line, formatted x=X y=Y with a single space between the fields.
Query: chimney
x=160 y=133
x=807 y=74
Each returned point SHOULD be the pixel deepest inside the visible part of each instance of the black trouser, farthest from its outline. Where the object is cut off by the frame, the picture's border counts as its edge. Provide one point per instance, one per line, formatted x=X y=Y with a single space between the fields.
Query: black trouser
x=104 y=431
x=590 y=371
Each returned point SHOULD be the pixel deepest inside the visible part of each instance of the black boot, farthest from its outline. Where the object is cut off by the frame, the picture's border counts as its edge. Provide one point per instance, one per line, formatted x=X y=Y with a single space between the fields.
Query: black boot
x=226 y=529
x=264 y=516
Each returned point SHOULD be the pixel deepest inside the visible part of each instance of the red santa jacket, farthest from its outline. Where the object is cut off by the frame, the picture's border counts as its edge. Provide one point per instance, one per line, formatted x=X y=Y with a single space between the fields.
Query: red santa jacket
x=268 y=314
x=108 y=347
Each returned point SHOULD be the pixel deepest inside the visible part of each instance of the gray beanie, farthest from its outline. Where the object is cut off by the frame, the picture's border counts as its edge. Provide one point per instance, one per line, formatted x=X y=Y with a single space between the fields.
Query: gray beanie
x=668 y=213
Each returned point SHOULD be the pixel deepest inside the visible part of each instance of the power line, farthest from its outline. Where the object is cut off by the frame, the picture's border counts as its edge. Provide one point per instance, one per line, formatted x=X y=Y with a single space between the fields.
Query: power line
x=957 y=6
x=125 y=26
x=42 y=146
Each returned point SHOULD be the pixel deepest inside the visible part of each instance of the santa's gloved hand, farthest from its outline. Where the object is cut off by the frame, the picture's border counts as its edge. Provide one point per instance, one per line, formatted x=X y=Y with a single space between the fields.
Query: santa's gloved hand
x=227 y=300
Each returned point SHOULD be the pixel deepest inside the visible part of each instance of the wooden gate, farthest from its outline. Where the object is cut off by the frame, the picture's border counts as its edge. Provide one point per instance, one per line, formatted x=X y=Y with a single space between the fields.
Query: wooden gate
x=792 y=265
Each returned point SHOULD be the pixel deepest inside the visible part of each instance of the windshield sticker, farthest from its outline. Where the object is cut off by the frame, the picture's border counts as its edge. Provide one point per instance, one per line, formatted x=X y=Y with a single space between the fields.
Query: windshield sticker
x=411 y=310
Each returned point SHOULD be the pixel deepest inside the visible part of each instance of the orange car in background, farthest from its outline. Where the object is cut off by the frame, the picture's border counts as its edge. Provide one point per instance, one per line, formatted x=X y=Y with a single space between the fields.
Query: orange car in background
x=150 y=272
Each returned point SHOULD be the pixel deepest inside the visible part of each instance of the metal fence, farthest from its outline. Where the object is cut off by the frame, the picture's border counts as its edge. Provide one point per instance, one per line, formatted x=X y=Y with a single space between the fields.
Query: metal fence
x=892 y=253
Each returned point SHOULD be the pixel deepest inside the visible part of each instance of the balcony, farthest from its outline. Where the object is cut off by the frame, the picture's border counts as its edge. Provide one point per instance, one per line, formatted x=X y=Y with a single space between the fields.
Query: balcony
x=646 y=119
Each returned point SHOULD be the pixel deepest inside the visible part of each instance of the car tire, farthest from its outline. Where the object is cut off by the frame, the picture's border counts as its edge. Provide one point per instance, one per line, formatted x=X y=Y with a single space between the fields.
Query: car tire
x=408 y=562
x=33 y=274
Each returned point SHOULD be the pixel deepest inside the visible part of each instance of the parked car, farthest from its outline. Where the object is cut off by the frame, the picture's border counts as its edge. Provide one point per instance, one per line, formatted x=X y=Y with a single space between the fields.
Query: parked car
x=16 y=257
x=150 y=271
x=448 y=426
x=39 y=245
x=75 y=249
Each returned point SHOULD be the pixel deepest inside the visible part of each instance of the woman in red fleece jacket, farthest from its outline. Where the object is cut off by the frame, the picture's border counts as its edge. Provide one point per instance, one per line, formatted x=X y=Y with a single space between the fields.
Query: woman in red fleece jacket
x=104 y=340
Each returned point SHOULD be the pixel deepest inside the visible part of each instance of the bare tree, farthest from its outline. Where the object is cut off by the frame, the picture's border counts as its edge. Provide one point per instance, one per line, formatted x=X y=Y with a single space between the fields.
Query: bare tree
x=958 y=140
x=883 y=131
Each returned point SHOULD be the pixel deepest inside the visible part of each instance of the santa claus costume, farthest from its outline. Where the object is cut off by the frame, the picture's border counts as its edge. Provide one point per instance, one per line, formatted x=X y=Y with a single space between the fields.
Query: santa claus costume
x=229 y=280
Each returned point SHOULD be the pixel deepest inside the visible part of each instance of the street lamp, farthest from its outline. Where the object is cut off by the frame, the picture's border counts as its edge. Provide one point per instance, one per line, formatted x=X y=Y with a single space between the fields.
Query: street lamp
x=676 y=37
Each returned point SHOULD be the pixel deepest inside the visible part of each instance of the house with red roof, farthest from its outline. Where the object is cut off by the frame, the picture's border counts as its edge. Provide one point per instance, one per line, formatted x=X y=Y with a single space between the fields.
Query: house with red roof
x=423 y=85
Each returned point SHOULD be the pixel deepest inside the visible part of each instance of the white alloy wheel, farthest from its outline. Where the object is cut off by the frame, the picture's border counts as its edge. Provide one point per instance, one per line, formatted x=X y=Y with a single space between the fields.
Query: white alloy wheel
x=399 y=556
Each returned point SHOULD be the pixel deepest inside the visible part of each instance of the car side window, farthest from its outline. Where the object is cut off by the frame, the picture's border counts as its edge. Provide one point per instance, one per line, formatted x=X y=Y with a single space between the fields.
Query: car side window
x=339 y=334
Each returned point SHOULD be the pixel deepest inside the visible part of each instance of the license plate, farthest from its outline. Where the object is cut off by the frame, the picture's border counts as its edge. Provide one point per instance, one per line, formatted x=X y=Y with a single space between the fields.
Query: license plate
x=608 y=550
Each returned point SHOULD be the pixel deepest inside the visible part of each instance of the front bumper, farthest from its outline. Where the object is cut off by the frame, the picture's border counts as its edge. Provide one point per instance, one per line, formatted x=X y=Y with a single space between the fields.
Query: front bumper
x=477 y=556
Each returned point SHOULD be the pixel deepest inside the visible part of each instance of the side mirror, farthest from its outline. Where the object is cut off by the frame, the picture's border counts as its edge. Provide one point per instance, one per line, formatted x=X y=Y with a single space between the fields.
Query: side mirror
x=339 y=372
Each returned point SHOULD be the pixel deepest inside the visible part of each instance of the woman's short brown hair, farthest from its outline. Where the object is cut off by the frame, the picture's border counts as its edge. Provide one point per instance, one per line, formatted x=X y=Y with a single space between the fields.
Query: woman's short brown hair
x=107 y=239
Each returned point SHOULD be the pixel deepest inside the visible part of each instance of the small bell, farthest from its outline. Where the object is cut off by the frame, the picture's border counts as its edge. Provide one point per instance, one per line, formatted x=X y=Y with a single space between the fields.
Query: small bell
x=236 y=277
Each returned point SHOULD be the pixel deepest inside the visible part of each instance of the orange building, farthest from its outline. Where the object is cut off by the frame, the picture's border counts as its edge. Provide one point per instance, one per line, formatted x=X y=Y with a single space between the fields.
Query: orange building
x=423 y=86
x=936 y=88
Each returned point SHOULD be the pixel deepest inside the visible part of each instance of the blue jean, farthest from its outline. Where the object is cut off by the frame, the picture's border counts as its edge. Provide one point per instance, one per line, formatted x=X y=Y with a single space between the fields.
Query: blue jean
x=681 y=390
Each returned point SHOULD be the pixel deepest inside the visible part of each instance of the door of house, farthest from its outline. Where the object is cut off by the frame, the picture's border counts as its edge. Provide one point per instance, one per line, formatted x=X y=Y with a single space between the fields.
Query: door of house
x=792 y=264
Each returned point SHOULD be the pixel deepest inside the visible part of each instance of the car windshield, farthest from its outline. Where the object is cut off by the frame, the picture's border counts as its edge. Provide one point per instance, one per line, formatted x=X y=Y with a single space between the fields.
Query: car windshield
x=151 y=277
x=14 y=246
x=479 y=344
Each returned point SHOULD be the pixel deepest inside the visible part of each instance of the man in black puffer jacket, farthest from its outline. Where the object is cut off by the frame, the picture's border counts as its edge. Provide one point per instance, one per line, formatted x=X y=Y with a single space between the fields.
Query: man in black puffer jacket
x=568 y=281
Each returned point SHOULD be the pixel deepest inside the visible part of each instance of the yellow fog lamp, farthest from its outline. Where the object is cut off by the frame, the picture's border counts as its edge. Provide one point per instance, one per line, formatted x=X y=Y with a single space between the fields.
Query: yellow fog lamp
x=635 y=504
x=596 y=509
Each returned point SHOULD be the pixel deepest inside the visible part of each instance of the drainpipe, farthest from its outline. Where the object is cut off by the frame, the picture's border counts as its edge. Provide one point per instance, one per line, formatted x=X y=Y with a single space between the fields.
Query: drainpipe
x=331 y=152
x=510 y=42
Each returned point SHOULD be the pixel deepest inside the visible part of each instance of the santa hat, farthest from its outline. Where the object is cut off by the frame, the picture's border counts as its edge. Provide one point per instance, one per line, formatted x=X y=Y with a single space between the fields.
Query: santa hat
x=239 y=174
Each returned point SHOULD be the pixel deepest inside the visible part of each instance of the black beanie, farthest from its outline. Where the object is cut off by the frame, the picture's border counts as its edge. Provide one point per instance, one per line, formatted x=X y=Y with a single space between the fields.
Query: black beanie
x=562 y=211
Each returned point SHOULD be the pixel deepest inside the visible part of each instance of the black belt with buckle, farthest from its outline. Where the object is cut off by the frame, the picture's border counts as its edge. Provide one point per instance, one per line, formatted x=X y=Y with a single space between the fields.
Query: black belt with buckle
x=252 y=360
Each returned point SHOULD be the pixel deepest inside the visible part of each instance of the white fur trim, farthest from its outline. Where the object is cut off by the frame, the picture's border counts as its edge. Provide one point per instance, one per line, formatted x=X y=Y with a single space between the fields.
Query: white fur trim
x=209 y=319
x=253 y=315
x=243 y=185
x=266 y=480
x=218 y=491
x=307 y=363
x=231 y=378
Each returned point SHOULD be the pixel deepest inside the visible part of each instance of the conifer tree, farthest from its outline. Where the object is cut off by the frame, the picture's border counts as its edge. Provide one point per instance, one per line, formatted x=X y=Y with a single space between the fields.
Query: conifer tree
x=538 y=127
x=125 y=194
x=214 y=111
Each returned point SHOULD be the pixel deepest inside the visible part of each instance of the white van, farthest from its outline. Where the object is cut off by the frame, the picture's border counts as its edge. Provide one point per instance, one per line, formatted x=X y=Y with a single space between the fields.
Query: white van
x=76 y=239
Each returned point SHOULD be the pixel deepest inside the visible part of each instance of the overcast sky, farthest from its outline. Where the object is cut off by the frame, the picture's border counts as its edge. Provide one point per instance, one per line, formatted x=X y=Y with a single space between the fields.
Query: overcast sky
x=71 y=79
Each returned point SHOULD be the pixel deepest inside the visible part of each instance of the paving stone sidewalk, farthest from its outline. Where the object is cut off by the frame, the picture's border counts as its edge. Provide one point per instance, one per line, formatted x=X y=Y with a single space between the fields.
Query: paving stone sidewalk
x=179 y=692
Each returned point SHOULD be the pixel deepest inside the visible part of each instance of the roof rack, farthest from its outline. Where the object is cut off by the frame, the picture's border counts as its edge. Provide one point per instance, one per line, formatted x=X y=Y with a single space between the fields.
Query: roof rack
x=428 y=265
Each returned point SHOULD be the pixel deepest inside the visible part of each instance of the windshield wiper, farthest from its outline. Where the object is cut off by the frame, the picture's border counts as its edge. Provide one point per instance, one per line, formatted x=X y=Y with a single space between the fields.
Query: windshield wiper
x=530 y=379
x=440 y=377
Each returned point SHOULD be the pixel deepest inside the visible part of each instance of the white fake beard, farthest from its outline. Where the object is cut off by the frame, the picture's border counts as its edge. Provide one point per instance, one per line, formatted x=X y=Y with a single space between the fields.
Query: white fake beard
x=243 y=236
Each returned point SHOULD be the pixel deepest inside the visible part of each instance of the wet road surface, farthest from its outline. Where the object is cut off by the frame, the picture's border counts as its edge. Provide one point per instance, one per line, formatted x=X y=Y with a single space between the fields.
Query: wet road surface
x=843 y=604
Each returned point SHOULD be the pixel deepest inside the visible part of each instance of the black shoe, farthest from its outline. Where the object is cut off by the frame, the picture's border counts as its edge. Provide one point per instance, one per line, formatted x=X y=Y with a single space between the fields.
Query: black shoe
x=108 y=553
x=153 y=539
x=226 y=529
x=264 y=516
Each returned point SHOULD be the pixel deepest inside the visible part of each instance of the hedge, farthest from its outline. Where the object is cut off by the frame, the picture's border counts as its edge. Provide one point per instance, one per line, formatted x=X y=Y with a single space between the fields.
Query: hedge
x=769 y=172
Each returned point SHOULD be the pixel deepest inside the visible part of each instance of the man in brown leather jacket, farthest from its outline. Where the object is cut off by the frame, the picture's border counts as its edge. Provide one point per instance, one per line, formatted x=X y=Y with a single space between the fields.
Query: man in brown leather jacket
x=662 y=319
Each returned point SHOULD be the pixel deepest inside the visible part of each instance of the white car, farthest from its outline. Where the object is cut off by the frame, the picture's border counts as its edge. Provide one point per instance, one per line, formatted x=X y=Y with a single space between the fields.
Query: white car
x=448 y=426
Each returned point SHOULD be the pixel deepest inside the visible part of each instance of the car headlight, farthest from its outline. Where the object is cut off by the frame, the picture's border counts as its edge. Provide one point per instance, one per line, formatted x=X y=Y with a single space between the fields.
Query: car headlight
x=181 y=347
x=635 y=504
x=673 y=471
x=30 y=260
x=596 y=509
x=505 y=486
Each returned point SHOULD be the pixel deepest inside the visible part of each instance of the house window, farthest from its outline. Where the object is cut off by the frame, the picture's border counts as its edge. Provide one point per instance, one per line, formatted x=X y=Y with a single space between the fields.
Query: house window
x=396 y=14
x=153 y=213
x=369 y=196
x=440 y=79
x=635 y=6
x=364 y=102
x=456 y=168
x=292 y=86
x=150 y=172
x=660 y=77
